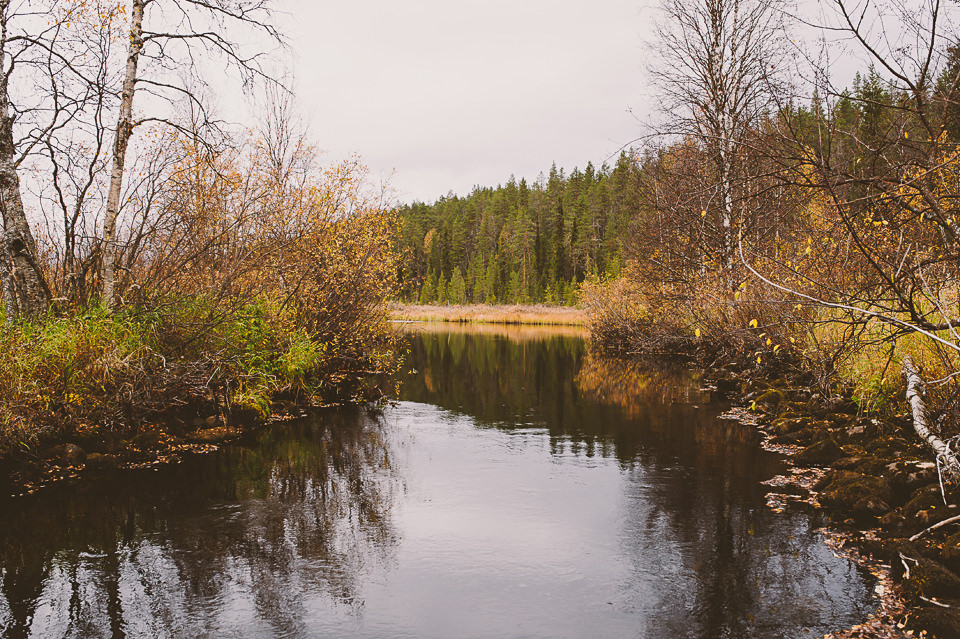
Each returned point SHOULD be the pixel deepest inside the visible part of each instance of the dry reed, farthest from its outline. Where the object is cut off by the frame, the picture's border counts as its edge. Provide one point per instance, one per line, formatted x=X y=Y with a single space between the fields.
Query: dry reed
x=539 y=315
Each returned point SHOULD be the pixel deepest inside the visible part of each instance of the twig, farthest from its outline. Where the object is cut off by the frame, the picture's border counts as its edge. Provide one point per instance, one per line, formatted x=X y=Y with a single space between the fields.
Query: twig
x=854 y=309
x=935 y=603
x=944 y=379
x=906 y=567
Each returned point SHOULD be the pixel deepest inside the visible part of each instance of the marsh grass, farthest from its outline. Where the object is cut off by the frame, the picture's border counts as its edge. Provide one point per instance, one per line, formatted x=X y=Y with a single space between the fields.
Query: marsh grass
x=538 y=315
x=519 y=333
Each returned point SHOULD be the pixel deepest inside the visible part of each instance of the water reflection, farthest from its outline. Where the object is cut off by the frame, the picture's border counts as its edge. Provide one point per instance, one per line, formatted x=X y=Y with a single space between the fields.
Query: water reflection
x=706 y=557
x=513 y=332
x=220 y=544
x=589 y=404
x=522 y=488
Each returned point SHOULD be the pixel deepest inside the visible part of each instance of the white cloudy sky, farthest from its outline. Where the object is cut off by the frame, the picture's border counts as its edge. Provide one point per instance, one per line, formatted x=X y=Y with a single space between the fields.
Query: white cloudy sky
x=449 y=94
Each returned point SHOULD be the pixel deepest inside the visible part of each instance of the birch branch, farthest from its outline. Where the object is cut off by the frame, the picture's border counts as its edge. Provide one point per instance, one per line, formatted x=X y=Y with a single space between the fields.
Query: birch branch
x=941 y=524
x=945 y=455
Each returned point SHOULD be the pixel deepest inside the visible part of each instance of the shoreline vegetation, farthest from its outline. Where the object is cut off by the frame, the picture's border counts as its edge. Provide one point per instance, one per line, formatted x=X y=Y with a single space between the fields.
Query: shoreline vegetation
x=101 y=391
x=513 y=314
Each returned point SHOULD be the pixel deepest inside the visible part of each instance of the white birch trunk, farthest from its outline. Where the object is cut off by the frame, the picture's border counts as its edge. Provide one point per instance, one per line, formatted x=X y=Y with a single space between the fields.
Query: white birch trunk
x=24 y=290
x=727 y=190
x=946 y=457
x=122 y=139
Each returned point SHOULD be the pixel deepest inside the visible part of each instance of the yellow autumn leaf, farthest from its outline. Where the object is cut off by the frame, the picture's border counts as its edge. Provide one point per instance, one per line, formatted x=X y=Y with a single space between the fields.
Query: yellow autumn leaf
x=736 y=295
x=753 y=323
x=697 y=332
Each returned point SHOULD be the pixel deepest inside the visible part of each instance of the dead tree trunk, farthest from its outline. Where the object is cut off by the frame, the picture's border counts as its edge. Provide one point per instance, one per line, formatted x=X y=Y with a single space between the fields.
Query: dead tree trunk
x=946 y=458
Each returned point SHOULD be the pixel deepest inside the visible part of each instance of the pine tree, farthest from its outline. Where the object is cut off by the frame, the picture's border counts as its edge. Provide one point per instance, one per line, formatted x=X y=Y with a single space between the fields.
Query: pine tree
x=458 y=289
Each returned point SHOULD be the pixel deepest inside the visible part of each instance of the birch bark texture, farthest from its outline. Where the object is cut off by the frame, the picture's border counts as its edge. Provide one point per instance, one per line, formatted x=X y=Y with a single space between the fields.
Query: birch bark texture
x=946 y=457
x=25 y=292
x=120 y=144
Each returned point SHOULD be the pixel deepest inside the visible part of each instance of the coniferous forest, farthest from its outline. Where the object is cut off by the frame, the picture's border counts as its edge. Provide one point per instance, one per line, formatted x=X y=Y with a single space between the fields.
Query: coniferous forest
x=520 y=242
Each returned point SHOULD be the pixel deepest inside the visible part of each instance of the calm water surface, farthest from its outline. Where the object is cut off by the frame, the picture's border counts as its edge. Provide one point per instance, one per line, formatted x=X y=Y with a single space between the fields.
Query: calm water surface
x=521 y=488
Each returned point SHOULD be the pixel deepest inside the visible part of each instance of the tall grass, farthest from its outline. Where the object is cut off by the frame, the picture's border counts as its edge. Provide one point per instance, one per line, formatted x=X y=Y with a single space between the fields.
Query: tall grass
x=117 y=370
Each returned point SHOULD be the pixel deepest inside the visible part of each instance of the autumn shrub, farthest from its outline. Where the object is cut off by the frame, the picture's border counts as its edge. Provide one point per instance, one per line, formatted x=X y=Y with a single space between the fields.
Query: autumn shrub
x=246 y=288
x=705 y=320
x=293 y=261
x=619 y=319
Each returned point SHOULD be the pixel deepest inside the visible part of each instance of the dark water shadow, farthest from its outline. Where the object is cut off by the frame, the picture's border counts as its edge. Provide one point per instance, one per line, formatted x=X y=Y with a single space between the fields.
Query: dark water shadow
x=167 y=552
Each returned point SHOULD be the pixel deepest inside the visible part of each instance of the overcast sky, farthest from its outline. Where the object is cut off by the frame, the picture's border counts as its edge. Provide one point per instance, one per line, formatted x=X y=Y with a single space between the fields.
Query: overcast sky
x=450 y=94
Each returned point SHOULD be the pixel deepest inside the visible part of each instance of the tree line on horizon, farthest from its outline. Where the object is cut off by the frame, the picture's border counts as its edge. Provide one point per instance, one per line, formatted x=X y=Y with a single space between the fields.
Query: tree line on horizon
x=519 y=242
x=654 y=210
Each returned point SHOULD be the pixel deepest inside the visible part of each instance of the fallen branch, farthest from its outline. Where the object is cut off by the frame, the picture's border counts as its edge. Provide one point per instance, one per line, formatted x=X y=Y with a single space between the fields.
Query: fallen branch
x=935 y=603
x=939 y=524
x=906 y=566
x=945 y=455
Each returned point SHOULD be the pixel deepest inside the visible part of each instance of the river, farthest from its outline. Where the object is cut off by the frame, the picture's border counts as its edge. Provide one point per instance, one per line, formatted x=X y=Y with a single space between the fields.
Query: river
x=520 y=487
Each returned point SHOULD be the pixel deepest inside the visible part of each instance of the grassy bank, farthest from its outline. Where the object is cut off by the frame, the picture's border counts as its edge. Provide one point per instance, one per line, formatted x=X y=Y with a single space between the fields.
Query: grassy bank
x=538 y=315
x=125 y=387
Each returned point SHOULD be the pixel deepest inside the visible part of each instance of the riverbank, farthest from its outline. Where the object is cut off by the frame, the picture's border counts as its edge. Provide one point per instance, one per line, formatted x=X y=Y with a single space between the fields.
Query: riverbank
x=878 y=483
x=103 y=390
x=534 y=315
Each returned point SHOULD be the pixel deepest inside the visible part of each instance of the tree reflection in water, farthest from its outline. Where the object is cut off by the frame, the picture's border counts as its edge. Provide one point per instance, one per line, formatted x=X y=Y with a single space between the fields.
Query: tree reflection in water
x=229 y=542
x=537 y=490
x=707 y=558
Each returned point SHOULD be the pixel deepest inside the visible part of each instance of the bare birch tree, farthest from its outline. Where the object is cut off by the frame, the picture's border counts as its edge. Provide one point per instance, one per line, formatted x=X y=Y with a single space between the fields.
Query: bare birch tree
x=715 y=66
x=30 y=61
x=190 y=26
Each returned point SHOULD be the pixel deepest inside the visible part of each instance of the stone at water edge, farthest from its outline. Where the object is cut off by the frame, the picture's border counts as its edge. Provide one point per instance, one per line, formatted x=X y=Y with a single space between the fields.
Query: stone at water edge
x=822 y=453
